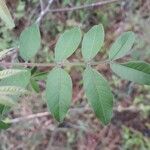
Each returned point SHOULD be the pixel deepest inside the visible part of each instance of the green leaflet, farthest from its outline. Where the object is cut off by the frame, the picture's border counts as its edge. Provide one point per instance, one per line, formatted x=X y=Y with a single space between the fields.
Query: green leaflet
x=4 y=125
x=1 y=110
x=58 y=93
x=67 y=43
x=40 y=76
x=122 y=45
x=35 y=86
x=9 y=72
x=30 y=42
x=6 y=101
x=19 y=80
x=11 y=90
x=92 y=42
x=5 y=15
x=98 y=94
x=135 y=71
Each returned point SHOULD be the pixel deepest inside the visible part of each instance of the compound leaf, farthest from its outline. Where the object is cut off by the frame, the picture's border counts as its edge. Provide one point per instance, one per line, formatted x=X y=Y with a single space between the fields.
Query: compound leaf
x=98 y=94
x=122 y=45
x=135 y=71
x=30 y=42
x=58 y=93
x=92 y=42
x=67 y=44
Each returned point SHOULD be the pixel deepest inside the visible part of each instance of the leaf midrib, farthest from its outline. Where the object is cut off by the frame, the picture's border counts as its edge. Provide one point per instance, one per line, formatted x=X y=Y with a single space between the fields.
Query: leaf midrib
x=92 y=46
x=119 y=49
x=98 y=96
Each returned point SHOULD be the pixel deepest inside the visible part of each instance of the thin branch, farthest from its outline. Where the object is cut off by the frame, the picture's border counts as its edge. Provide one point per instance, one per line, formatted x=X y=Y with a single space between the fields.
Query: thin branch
x=97 y=4
x=42 y=5
x=70 y=64
x=29 y=117
x=78 y=110
x=44 y=11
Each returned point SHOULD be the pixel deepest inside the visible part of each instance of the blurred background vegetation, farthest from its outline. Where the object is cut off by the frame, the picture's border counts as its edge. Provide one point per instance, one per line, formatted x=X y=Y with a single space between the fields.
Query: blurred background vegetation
x=130 y=126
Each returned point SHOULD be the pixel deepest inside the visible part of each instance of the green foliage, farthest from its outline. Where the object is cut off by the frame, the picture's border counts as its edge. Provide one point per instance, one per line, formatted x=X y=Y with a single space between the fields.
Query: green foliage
x=122 y=45
x=35 y=85
x=58 y=93
x=67 y=44
x=4 y=125
x=135 y=71
x=40 y=76
x=11 y=90
x=30 y=42
x=12 y=85
x=9 y=72
x=6 y=101
x=96 y=88
x=58 y=82
x=15 y=84
x=92 y=42
x=5 y=15
x=134 y=140
x=99 y=94
x=20 y=79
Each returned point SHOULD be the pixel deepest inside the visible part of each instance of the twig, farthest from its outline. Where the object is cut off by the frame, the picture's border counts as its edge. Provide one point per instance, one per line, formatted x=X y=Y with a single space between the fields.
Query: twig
x=47 y=9
x=43 y=11
x=42 y=5
x=70 y=64
x=101 y=3
x=79 y=110
x=29 y=117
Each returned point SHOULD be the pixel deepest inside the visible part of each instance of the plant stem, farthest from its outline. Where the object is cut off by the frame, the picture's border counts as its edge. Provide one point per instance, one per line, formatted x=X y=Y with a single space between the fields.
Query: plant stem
x=43 y=11
x=70 y=64
x=101 y=3
x=77 y=110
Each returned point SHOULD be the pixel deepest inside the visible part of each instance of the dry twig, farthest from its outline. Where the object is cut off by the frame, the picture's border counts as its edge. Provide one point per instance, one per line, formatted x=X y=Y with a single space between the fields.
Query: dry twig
x=86 y=6
x=79 y=110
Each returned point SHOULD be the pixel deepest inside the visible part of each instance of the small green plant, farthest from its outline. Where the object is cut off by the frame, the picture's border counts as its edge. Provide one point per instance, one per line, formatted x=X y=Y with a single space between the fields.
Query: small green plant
x=134 y=140
x=59 y=84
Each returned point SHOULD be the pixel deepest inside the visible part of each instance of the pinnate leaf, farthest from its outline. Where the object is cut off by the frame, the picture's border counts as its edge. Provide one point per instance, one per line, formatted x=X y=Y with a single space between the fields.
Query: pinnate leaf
x=98 y=94
x=67 y=43
x=122 y=45
x=92 y=42
x=58 y=93
x=135 y=71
